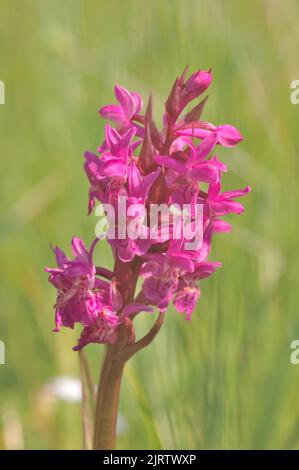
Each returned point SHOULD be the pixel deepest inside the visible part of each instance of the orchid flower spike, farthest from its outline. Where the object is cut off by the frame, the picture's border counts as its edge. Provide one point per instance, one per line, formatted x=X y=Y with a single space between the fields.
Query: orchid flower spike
x=136 y=168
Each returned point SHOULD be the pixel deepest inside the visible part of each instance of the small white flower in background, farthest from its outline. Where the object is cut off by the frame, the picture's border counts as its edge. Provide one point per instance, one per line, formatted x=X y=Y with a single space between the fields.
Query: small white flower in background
x=68 y=388
x=65 y=388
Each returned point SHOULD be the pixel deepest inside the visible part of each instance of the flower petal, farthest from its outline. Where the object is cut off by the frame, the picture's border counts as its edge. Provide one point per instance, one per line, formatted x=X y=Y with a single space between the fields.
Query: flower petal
x=228 y=135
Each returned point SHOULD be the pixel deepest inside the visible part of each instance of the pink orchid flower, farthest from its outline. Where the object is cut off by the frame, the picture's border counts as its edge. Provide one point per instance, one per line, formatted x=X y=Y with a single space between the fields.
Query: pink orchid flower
x=194 y=167
x=223 y=203
x=144 y=165
x=121 y=115
x=74 y=281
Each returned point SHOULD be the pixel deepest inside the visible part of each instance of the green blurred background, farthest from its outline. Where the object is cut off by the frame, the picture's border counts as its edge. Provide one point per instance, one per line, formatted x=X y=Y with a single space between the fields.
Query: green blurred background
x=223 y=380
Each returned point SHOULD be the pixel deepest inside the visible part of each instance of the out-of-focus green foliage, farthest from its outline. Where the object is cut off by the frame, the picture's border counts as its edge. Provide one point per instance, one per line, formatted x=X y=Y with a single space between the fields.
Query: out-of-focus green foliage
x=223 y=380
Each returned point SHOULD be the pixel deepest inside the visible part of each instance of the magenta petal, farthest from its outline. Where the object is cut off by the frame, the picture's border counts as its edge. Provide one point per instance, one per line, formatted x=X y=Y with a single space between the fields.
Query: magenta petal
x=126 y=101
x=61 y=258
x=193 y=132
x=221 y=226
x=126 y=138
x=217 y=163
x=115 y=168
x=227 y=207
x=150 y=289
x=101 y=284
x=206 y=146
x=172 y=164
x=93 y=167
x=112 y=136
x=228 y=135
x=134 y=181
x=78 y=246
x=185 y=300
x=136 y=307
x=236 y=193
x=137 y=102
x=198 y=82
x=205 y=172
x=153 y=267
x=182 y=263
x=180 y=143
x=206 y=269
x=214 y=190
x=113 y=113
x=58 y=320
